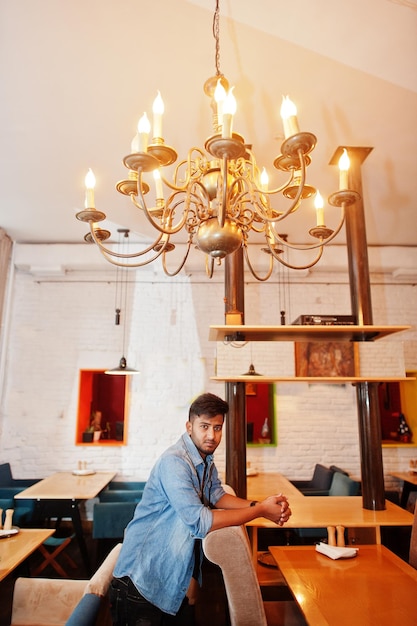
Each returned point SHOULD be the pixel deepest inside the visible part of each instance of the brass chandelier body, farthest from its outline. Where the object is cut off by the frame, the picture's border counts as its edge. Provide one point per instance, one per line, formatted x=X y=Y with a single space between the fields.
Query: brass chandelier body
x=218 y=195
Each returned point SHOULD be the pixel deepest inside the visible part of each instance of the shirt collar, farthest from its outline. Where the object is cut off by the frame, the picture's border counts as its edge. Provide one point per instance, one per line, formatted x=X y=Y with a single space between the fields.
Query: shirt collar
x=195 y=456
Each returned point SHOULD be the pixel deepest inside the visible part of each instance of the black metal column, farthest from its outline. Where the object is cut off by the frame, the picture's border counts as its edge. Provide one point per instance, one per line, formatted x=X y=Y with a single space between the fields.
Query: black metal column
x=360 y=293
x=235 y=392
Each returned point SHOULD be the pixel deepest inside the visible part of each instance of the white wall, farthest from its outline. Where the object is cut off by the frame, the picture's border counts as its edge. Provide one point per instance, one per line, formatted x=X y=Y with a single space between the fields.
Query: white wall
x=61 y=320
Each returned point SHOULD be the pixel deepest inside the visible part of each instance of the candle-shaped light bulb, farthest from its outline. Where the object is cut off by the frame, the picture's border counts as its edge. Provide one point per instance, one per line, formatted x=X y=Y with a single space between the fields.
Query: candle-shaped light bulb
x=158 y=185
x=144 y=128
x=157 y=110
x=90 y=183
x=229 y=109
x=289 y=117
x=344 y=164
x=219 y=97
x=264 y=180
x=319 y=204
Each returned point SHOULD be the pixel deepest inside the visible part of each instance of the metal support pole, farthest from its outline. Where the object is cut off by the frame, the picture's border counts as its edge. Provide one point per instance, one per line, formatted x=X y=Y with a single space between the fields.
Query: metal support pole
x=235 y=392
x=360 y=293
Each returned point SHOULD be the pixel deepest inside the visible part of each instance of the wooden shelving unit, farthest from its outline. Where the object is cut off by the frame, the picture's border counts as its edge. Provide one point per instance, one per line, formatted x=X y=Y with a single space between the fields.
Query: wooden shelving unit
x=302 y=333
x=298 y=333
x=339 y=380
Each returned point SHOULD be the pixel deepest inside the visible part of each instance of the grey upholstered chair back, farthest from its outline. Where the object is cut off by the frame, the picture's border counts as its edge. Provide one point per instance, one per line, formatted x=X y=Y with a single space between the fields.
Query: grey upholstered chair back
x=229 y=549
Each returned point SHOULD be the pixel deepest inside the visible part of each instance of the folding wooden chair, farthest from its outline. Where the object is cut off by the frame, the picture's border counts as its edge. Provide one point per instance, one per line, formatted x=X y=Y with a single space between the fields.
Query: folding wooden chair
x=57 y=546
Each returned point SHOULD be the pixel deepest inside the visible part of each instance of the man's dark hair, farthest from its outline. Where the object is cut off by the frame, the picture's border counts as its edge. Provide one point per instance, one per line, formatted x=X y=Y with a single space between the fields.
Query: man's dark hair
x=208 y=404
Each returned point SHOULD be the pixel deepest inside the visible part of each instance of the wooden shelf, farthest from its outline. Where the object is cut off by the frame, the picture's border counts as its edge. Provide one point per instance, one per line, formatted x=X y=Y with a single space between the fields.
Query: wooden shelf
x=337 y=380
x=302 y=333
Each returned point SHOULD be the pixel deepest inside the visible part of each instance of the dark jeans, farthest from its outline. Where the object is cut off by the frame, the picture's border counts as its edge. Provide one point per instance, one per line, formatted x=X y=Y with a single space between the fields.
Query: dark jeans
x=130 y=608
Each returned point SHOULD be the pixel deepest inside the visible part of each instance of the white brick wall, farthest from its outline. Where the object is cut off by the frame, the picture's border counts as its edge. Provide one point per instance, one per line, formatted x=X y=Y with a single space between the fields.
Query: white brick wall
x=58 y=326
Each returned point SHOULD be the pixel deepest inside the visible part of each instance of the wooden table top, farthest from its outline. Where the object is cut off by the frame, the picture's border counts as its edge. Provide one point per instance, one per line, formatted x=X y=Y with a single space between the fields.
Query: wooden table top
x=409 y=477
x=67 y=486
x=375 y=587
x=15 y=549
x=348 y=511
x=266 y=484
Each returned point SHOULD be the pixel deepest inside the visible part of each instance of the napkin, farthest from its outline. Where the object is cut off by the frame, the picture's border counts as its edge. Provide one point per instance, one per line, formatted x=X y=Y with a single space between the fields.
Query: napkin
x=335 y=552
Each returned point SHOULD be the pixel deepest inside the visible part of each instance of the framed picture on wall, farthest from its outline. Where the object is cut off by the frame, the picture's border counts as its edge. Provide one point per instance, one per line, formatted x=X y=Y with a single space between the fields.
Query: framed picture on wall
x=324 y=358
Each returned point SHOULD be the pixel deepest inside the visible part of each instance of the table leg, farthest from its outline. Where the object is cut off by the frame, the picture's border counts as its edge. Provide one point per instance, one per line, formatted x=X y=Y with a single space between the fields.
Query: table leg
x=407 y=488
x=66 y=508
x=253 y=538
x=78 y=528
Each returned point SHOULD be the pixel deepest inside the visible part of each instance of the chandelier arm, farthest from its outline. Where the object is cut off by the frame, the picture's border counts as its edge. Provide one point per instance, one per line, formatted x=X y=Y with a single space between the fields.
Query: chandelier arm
x=112 y=253
x=177 y=271
x=273 y=192
x=129 y=265
x=253 y=166
x=312 y=246
x=297 y=200
x=188 y=161
x=167 y=209
x=298 y=267
x=252 y=269
x=259 y=209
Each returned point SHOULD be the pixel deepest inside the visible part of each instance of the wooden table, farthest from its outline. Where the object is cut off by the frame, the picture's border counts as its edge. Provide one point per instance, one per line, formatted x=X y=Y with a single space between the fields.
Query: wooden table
x=15 y=549
x=375 y=587
x=60 y=494
x=410 y=484
x=323 y=511
x=262 y=485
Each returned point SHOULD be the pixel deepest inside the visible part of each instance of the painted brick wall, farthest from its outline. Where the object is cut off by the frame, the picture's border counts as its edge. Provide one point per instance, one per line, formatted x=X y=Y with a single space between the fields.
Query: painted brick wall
x=59 y=325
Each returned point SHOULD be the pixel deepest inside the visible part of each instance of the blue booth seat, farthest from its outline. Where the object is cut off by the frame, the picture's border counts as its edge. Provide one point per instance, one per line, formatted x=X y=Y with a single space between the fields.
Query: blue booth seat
x=129 y=485
x=319 y=484
x=9 y=487
x=121 y=495
x=342 y=485
x=7 y=480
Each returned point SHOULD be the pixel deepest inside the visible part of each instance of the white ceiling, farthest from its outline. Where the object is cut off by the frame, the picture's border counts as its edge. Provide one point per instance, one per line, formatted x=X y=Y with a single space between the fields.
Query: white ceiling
x=76 y=76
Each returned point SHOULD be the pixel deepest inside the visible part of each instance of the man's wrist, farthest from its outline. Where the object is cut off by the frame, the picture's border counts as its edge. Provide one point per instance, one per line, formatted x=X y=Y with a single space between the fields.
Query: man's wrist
x=254 y=502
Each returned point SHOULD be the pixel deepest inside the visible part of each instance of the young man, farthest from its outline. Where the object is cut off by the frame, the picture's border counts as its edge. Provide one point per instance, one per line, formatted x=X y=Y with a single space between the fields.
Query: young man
x=183 y=500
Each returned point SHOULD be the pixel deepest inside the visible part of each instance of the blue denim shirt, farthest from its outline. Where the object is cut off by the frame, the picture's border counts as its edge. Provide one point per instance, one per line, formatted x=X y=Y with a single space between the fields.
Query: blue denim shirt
x=158 y=548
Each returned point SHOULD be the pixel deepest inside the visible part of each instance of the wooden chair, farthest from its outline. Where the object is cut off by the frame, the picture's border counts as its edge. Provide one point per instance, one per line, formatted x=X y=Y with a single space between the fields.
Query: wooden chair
x=57 y=546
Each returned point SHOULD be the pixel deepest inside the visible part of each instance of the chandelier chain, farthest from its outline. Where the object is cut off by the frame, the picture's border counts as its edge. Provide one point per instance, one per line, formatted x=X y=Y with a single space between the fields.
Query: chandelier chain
x=216 y=35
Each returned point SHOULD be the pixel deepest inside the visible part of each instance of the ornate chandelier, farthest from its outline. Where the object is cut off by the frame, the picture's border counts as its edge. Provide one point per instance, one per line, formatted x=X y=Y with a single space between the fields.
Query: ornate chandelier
x=218 y=195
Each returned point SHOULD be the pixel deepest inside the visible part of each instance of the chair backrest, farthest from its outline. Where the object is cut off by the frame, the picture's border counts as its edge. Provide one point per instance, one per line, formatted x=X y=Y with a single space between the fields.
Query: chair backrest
x=6 y=479
x=130 y=485
x=111 y=518
x=413 y=542
x=56 y=601
x=229 y=549
x=335 y=468
x=121 y=495
x=100 y=581
x=322 y=477
x=45 y=601
x=343 y=485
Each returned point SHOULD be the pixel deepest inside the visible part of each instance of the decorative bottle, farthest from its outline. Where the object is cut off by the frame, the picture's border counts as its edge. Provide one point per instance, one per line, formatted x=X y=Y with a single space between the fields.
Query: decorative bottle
x=265 y=432
x=404 y=431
